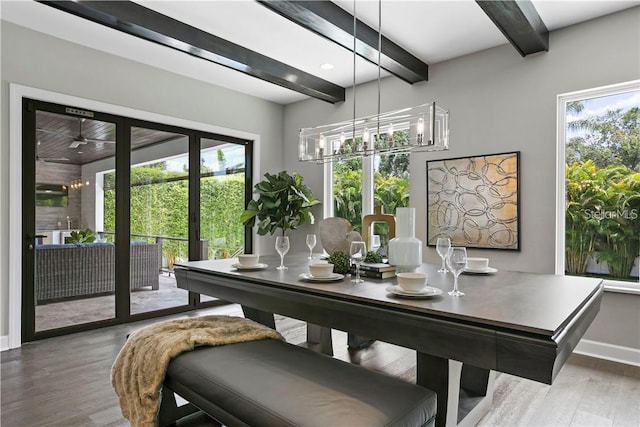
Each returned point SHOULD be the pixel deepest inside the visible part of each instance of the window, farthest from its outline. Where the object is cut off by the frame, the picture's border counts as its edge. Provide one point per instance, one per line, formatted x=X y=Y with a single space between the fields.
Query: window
x=359 y=184
x=599 y=162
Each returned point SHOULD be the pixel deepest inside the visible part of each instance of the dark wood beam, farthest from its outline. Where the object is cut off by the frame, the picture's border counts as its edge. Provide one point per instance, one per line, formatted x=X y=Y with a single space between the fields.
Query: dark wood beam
x=136 y=20
x=334 y=23
x=519 y=22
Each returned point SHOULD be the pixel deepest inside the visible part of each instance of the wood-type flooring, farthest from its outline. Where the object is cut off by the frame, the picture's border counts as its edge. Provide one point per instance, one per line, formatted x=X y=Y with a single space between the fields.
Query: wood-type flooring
x=64 y=381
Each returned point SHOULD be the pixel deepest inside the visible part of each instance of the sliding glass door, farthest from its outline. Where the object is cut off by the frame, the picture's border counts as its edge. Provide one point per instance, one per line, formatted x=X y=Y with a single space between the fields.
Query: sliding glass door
x=73 y=270
x=159 y=218
x=111 y=204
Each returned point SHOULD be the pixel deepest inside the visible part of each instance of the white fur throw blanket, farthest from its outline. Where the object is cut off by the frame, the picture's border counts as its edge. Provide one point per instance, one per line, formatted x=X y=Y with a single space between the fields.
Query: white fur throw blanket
x=139 y=369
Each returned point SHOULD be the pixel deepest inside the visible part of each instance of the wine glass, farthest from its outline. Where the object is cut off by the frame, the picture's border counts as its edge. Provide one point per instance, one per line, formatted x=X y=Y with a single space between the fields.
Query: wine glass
x=456 y=260
x=282 y=247
x=311 y=243
x=442 y=246
x=357 y=251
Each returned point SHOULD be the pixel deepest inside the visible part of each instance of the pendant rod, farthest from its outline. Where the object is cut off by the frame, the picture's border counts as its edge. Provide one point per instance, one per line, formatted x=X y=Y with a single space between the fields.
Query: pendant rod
x=355 y=20
x=379 y=50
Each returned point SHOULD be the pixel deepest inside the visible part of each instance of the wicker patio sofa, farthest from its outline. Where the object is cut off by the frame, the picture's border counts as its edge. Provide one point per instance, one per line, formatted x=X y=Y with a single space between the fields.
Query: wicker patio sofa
x=76 y=270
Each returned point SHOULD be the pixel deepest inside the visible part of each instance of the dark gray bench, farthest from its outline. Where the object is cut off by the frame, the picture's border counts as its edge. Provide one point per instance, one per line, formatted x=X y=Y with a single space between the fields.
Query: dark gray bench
x=272 y=383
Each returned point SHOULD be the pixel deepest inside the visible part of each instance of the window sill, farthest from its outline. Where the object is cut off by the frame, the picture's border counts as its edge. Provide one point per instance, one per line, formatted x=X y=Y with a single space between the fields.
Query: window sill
x=621 y=287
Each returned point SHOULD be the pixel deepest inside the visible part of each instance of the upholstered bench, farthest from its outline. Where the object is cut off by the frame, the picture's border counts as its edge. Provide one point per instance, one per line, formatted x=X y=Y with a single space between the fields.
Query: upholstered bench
x=272 y=383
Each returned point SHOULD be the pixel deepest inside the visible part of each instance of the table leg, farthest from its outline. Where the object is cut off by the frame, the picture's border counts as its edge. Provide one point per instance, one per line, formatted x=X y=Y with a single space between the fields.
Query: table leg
x=432 y=372
x=465 y=392
x=357 y=342
x=320 y=335
x=259 y=316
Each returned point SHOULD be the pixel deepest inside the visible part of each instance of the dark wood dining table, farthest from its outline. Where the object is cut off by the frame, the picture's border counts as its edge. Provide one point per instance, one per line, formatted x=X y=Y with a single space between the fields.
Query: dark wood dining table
x=524 y=324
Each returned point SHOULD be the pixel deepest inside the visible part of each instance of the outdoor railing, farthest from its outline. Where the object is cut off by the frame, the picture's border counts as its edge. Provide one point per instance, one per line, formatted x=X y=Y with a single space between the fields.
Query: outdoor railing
x=172 y=252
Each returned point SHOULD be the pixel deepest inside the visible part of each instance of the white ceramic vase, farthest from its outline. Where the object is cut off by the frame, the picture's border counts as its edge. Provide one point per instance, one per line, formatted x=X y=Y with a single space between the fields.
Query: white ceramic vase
x=405 y=250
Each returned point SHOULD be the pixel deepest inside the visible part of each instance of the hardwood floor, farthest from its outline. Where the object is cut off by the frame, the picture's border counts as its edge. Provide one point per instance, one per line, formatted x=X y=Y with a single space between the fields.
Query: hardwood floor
x=64 y=381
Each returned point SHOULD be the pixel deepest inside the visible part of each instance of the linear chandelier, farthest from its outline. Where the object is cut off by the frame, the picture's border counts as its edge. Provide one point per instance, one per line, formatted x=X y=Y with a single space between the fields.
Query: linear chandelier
x=421 y=128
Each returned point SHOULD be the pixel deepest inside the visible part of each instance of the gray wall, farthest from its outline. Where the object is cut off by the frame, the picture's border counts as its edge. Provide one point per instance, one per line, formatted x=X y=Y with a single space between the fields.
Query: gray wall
x=502 y=102
x=36 y=60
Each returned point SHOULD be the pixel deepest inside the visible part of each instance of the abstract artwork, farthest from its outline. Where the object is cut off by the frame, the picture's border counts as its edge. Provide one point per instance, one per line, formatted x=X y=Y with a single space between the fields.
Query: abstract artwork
x=474 y=201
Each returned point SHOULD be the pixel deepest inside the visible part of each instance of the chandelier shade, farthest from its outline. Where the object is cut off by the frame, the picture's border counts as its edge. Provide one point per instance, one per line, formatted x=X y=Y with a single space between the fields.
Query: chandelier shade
x=421 y=128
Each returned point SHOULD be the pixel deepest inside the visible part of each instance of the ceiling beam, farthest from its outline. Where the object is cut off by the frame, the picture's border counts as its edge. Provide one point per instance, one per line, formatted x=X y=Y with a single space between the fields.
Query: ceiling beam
x=139 y=21
x=334 y=23
x=519 y=22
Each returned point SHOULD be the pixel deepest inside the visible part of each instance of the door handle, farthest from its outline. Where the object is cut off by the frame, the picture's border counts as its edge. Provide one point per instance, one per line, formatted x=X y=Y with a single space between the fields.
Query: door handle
x=32 y=238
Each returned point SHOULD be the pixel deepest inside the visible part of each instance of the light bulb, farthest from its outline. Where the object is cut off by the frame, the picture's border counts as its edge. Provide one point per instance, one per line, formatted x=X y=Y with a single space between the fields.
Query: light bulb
x=321 y=146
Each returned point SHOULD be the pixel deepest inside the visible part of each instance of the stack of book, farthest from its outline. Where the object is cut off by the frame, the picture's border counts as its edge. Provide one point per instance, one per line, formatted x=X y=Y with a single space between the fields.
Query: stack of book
x=375 y=270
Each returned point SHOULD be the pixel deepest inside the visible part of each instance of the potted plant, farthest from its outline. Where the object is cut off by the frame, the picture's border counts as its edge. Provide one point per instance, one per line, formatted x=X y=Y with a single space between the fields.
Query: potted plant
x=86 y=235
x=283 y=203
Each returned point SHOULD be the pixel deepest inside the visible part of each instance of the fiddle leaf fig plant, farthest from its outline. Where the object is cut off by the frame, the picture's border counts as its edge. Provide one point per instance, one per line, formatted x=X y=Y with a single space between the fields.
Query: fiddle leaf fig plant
x=86 y=235
x=283 y=203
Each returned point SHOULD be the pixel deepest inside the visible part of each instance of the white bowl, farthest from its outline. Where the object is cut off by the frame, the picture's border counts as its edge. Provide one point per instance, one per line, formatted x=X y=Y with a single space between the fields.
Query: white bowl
x=477 y=263
x=412 y=282
x=248 y=260
x=321 y=269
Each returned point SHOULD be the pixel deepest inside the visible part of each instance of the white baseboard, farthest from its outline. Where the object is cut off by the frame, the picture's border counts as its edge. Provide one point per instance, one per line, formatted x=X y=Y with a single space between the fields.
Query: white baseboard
x=4 y=342
x=615 y=353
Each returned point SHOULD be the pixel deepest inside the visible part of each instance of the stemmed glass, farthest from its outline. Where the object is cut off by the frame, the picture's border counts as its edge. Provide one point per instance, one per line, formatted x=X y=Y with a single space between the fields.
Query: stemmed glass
x=442 y=246
x=358 y=252
x=311 y=243
x=456 y=260
x=282 y=247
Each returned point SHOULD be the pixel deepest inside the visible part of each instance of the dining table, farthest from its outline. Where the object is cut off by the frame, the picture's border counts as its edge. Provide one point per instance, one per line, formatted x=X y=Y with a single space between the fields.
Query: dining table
x=519 y=323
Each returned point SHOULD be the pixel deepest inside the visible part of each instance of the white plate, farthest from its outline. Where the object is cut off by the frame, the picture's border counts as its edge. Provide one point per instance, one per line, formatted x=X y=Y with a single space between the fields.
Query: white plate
x=427 y=292
x=333 y=278
x=488 y=270
x=239 y=266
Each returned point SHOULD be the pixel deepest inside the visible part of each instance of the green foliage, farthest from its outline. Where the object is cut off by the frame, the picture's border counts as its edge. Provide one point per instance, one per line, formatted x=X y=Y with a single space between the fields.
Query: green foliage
x=86 y=235
x=619 y=226
x=391 y=188
x=603 y=191
x=603 y=210
x=611 y=138
x=160 y=208
x=222 y=205
x=341 y=262
x=347 y=194
x=283 y=202
x=583 y=196
x=373 y=257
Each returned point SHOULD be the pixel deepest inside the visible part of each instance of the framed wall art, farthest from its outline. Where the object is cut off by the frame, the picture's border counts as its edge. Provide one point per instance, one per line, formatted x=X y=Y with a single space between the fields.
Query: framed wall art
x=475 y=201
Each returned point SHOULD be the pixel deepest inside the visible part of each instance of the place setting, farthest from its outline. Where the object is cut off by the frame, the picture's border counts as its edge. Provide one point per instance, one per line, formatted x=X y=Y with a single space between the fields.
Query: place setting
x=413 y=285
x=321 y=272
x=476 y=265
x=249 y=262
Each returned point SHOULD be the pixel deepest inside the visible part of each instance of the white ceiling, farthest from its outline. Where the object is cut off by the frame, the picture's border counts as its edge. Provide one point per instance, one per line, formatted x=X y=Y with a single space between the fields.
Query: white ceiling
x=434 y=31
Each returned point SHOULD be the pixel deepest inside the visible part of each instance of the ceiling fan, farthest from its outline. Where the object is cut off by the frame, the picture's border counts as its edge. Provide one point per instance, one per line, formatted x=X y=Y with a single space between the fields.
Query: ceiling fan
x=49 y=159
x=80 y=139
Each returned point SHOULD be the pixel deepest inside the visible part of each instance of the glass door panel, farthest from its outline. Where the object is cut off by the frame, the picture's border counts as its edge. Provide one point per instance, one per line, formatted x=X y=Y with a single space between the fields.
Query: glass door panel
x=74 y=280
x=222 y=184
x=159 y=224
x=222 y=200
